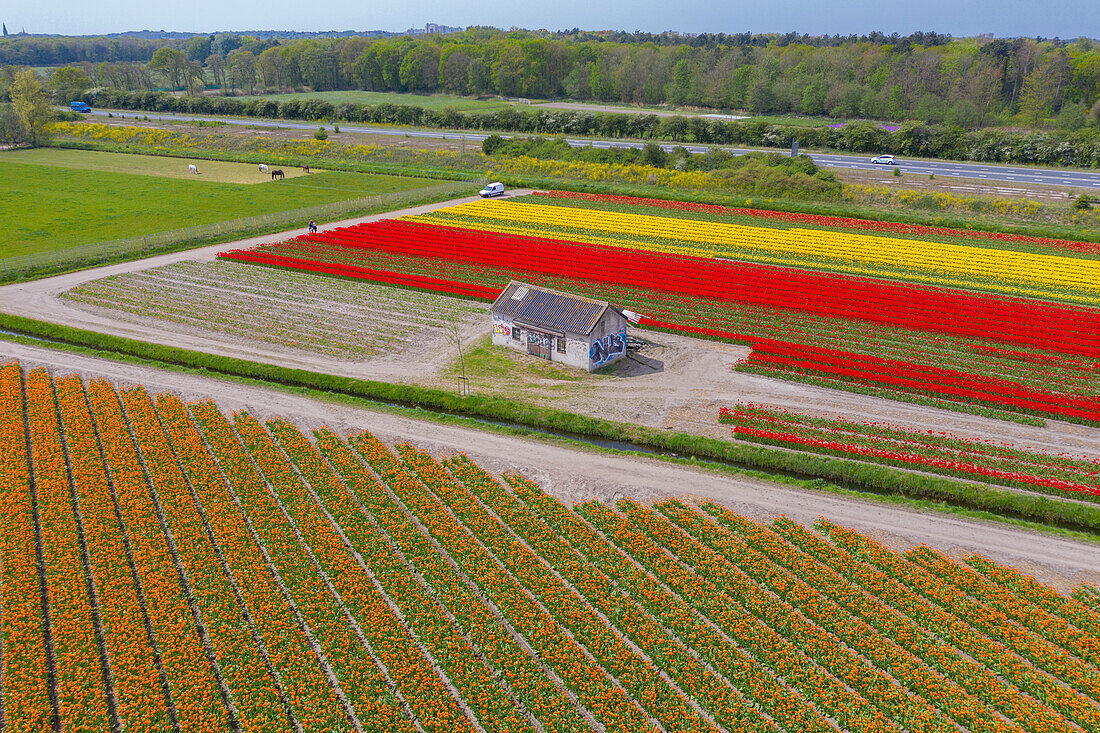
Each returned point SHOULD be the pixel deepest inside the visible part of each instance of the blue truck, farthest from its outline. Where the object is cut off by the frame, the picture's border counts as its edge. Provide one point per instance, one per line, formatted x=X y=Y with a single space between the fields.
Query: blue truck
x=80 y=107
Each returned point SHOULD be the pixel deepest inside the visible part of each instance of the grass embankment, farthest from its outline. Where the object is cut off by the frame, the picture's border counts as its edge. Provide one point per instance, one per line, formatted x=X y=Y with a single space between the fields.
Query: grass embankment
x=820 y=472
x=48 y=208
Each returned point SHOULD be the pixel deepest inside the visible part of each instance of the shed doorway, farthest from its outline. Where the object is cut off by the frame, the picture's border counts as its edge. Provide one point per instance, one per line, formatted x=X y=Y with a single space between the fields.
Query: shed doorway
x=539 y=344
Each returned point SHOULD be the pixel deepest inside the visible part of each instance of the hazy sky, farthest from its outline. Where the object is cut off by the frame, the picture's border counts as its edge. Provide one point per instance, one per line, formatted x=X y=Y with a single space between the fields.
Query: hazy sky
x=1048 y=18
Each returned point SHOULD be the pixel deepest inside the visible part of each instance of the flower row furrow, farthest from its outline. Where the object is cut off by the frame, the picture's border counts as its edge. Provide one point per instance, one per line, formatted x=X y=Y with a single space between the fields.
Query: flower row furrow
x=800 y=670
x=391 y=641
x=753 y=555
x=993 y=653
x=189 y=677
x=350 y=659
x=141 y=701
x=606 y=700
x=425 y=618
x=707 y=688
x=638 y=674
x=302 y=681
x=530 y=682
x=994 y=624
x=81 y=690
x=1038 y=594
x=736 y=581
x=253 y=691
x=1057 y=631
x=768 y=691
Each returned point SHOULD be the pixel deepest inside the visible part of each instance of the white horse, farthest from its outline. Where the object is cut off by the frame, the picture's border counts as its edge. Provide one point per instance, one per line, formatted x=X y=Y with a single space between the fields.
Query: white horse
x=192 y=168
x=263 y=168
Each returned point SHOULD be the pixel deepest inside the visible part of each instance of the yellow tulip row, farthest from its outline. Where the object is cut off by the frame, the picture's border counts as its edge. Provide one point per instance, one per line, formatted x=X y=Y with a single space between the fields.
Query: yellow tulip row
x=1022 y=273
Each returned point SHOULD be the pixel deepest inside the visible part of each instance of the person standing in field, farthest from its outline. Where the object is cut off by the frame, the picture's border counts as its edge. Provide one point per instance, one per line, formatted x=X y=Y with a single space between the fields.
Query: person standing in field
x=312 y=226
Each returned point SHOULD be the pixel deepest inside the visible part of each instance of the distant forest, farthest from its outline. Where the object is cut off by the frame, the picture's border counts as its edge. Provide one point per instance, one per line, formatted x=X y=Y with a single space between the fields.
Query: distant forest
x=930 y=77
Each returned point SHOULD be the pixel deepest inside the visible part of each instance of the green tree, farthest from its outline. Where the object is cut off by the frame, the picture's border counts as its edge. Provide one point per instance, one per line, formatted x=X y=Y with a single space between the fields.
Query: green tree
x=172 y=66
x=198 y=48
x=242 y=71
x=32 y=106
x=68 y=84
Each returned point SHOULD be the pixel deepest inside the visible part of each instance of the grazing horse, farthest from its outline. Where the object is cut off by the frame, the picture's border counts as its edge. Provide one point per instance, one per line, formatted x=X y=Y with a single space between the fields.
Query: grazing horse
x=263 y=168
x=192 y=168
x=277 y=175
x=305 y=168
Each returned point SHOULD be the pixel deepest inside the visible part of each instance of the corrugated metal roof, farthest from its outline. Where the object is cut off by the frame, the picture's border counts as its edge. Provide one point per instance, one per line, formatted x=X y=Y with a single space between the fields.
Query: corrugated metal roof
x=550 y=308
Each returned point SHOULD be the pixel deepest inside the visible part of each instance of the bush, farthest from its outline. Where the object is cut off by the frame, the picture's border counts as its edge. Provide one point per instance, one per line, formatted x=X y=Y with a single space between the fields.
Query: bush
x=1085 y=201
x=320 y=134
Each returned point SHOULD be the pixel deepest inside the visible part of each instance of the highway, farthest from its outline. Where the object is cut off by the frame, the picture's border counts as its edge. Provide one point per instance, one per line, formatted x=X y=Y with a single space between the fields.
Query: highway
x=1074 y=177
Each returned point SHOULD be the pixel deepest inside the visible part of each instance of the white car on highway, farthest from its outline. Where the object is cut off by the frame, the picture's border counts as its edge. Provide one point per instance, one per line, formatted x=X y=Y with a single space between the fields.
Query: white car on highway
x=884 y=159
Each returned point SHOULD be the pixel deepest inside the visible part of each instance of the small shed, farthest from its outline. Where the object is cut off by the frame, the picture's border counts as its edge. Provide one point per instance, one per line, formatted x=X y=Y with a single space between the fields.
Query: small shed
x=558 y=326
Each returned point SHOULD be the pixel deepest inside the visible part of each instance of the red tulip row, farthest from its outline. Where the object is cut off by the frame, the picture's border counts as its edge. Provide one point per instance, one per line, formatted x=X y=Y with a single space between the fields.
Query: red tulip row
x=1028 y=323
x=839 y=222
x=938 y=452
x=784 y=357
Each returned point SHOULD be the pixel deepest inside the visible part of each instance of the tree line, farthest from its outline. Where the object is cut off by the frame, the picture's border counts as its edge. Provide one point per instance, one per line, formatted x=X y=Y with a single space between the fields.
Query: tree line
x=1080 y=147
x=930 y=77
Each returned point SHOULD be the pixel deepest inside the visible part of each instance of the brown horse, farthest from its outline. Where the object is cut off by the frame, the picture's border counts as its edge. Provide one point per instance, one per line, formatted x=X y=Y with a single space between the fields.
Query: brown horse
x=305 y=168
x=277 y=175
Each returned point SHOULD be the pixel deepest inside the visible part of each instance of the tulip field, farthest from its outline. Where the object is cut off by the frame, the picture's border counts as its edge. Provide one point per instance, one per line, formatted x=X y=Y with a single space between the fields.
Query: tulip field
x=897 y=310
x=936 y=451
x=167 y=568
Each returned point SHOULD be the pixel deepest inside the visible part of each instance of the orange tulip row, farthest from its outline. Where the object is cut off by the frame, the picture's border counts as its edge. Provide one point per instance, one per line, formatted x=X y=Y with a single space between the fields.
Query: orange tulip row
x=81 y=693
x=188 y=674
x=605 y=699
x=635 y=672
x=1010 y=666
x=638 y=673
x=349 y=656
x=253 y=692
x=409 y=668
x=456 y=657
x=782 y=703
x=311 y=698
x=1045 y=657
x=1031 y=590
x=531 y=683
x=26 y=694
x=758 y=552
x=141 y=700
x=722 y=701
x=255 y=579
x=834 y=682
x=1008 y=609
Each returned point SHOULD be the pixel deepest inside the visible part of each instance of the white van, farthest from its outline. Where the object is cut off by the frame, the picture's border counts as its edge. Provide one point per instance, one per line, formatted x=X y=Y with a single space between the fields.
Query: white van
x=493 y=189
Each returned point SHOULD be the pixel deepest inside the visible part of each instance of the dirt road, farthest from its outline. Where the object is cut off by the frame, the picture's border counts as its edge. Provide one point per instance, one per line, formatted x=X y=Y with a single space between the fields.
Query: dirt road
x=39 y=299
x=576 y=475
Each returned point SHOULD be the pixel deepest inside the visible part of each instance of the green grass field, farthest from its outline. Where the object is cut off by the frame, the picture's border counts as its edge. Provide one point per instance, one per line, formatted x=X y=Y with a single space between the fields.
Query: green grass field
x=52 y=206
x=431 y=101
x=210 y=171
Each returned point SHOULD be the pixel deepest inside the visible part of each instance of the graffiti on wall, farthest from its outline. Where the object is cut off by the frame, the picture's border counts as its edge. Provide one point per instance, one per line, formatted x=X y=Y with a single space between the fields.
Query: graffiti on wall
x=607 y=348
x=501 y=329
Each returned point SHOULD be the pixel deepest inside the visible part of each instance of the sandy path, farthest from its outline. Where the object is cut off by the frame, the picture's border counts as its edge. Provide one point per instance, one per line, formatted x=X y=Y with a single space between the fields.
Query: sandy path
x=576 y=475
x=38 y=299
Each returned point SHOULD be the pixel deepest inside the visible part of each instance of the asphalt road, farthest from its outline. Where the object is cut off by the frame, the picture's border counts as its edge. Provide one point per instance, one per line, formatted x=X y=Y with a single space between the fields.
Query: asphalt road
x=948 y=169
